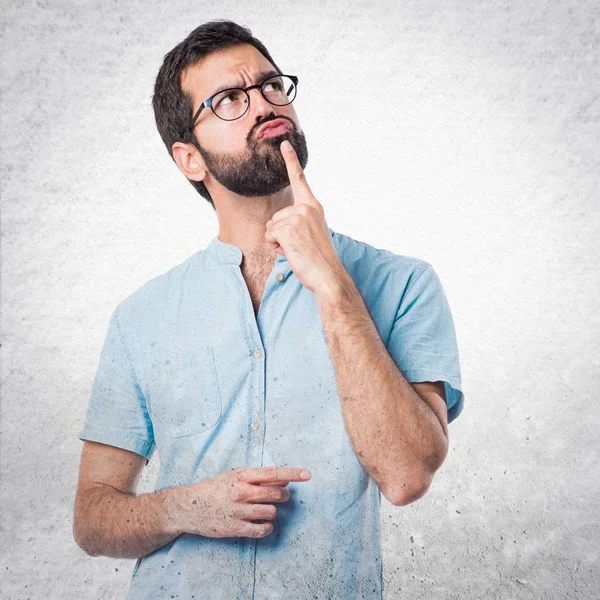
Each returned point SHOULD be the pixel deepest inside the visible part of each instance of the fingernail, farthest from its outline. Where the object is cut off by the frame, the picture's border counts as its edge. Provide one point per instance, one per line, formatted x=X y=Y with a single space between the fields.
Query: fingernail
x=305 y=474
x=286 y=145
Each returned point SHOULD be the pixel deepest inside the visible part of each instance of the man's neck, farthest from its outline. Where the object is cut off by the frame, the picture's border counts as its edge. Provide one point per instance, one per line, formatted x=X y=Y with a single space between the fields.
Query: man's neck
x=244 y=226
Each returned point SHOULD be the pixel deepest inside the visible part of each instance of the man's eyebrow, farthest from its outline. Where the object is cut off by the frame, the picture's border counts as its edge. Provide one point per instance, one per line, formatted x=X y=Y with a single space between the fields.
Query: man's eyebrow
x=261 y=76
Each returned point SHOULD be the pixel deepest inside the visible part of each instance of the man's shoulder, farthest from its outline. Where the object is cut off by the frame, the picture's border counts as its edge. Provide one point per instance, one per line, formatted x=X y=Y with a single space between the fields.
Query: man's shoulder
x=362 y=259
x=153 y=296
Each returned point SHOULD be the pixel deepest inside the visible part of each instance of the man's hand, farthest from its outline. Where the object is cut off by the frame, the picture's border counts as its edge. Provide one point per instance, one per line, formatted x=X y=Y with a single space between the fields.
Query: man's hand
x=226 y=505
x=301 y=233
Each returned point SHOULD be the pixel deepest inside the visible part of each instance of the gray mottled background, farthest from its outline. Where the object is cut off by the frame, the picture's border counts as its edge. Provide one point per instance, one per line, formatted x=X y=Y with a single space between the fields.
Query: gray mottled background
x=463 y=133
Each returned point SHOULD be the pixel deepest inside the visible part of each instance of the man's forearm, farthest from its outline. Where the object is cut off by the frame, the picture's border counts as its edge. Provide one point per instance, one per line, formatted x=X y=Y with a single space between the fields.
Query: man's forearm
x=113 y=523
x=396 y=436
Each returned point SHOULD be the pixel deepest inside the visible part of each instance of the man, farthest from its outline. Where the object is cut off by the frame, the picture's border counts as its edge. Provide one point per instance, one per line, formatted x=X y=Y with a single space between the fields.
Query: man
x=281 y=347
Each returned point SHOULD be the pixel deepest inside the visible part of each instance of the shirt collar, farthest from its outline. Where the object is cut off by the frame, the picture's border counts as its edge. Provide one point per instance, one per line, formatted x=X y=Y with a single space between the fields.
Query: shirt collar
x=229 y=254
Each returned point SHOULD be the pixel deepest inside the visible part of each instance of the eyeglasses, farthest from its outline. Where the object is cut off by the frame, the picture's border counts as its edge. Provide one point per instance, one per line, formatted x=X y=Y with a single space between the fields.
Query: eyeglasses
x=232 y=103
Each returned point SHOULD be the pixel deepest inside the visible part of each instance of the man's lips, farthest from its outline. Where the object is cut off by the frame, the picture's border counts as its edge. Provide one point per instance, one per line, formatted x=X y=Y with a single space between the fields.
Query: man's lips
x=274 y=128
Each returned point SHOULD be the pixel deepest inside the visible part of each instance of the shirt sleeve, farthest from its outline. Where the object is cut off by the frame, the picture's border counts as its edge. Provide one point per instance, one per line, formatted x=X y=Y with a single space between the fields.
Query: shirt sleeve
x=423 y=343
x=117 y=413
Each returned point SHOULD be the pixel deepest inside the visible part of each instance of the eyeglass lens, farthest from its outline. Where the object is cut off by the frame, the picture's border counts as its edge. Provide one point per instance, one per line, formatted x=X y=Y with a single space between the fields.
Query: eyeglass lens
x=232 y=104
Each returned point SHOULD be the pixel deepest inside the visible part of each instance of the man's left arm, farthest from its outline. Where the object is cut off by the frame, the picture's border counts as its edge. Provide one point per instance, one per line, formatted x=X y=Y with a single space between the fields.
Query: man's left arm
x=399 y=430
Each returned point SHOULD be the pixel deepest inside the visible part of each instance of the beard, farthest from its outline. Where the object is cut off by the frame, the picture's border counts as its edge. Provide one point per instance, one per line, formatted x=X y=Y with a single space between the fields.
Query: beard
x=260 y=170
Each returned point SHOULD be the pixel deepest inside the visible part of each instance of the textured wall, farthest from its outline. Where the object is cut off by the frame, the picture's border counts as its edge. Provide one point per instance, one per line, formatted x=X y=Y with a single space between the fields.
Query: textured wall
x=464 y=133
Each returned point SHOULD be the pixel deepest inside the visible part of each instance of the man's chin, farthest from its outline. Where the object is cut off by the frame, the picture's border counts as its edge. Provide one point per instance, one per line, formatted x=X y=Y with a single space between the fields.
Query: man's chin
x=251 y=189
x=271 y=143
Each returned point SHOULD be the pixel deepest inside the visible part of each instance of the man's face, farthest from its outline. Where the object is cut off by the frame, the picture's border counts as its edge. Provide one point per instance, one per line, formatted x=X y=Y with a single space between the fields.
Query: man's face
x=232 y=152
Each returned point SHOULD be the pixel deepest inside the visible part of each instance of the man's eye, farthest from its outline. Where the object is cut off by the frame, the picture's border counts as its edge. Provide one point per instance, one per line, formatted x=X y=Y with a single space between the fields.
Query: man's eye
x=222 y=100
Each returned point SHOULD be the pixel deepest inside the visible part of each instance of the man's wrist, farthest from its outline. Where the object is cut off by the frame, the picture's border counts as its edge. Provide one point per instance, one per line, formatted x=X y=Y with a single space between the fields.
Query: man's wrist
x=170 y=500
x=337 y=289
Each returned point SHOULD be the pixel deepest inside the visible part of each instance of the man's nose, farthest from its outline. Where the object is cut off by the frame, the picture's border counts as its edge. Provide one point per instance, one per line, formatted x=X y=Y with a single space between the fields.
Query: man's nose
x=258 y=105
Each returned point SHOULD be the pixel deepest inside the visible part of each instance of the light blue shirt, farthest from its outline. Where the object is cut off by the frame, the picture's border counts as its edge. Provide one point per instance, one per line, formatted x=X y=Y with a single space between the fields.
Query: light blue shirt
x=188 y=370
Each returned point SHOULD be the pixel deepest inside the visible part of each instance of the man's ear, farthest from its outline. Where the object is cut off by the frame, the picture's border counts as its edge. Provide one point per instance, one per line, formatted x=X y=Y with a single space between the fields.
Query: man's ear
x=189 y=161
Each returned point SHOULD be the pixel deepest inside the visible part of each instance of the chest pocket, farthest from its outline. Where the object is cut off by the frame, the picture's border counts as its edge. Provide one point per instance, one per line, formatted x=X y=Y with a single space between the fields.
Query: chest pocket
x=184 y=392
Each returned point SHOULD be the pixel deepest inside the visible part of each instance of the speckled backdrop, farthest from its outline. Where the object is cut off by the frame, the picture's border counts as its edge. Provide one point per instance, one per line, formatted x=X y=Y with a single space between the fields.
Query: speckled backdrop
x=464 y=133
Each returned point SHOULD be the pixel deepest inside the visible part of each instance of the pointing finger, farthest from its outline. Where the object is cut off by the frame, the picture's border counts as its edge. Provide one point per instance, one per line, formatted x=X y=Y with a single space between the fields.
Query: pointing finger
x=300 y=187
x=266 y=474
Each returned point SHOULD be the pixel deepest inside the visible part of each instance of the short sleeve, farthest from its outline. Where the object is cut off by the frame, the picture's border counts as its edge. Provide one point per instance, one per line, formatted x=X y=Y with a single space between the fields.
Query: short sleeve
x=423 y=342
x=117 y=413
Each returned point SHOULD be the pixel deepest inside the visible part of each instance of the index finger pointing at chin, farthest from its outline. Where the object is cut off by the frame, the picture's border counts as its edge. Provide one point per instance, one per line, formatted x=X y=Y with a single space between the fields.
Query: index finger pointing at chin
x=295 y=173
x=289 y=154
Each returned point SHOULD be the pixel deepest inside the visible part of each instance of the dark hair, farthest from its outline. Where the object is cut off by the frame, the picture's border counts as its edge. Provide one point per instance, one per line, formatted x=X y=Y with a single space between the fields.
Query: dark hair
x=173 y=107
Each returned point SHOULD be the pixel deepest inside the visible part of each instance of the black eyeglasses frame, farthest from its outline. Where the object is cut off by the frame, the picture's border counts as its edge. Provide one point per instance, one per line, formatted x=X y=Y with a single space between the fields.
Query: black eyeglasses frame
x=208 y=102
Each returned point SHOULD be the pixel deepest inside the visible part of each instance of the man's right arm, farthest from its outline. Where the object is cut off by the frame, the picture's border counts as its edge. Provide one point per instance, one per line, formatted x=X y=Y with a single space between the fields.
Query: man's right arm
x=109 y=518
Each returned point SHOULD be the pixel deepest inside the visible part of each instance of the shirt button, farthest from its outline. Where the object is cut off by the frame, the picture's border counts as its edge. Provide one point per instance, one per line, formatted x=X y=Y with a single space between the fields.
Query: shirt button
x=279 y=277
x=246 y=580
x=257 y=353
x=255 y=425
